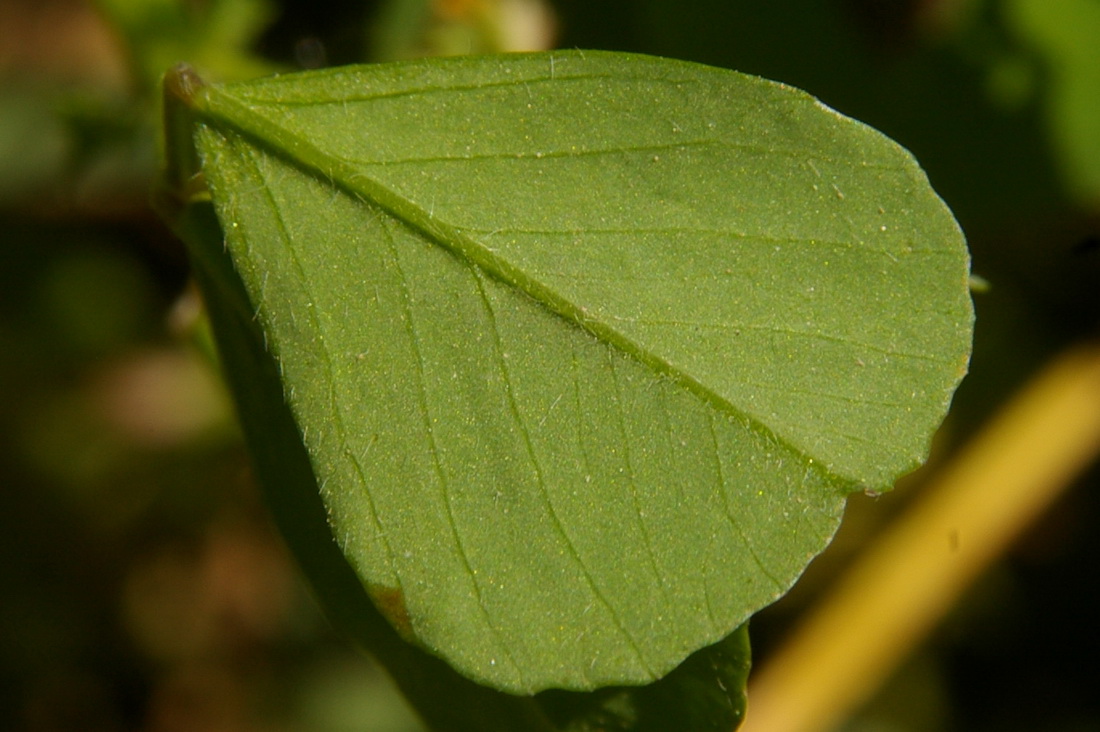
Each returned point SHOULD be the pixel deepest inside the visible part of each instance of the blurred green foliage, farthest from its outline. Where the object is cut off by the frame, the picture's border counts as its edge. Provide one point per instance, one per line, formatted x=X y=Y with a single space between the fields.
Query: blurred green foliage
x=143 y=587
x=1064 y=38
x=218 y=35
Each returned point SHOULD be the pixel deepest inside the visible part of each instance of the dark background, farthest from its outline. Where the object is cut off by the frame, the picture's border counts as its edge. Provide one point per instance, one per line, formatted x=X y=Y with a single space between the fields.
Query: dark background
x=142 y=584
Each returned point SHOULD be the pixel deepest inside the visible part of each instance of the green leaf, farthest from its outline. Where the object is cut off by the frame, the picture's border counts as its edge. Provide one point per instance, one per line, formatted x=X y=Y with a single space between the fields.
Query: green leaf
x=585 y=349
x=705 y=693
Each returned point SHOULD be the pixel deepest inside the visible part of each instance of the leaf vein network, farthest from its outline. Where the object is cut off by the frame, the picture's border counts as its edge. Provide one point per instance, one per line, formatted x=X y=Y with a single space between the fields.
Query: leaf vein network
x=264 y=100
x=764 y=239
x=632 y=478
x=539 y=155
x=733 y=521
x=414 y=339
x=813 y=335
x=540 y=478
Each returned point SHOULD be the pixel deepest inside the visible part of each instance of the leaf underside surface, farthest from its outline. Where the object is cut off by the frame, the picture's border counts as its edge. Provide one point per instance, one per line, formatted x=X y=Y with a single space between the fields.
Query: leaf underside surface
x=586 y=349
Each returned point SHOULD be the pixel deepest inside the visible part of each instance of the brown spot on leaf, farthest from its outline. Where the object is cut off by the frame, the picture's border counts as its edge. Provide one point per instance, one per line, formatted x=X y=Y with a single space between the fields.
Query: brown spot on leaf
x=390 y=601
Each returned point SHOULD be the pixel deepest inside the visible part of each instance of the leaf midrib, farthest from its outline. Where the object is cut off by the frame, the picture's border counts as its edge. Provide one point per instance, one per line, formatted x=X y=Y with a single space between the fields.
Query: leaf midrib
x=213 y=105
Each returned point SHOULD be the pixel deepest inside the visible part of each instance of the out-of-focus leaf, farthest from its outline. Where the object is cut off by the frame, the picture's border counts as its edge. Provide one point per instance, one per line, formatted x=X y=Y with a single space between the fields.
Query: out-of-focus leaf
x=34 y=144
x=406 y=29
x=706 y=693
x=214 y=35
x=1066 y=34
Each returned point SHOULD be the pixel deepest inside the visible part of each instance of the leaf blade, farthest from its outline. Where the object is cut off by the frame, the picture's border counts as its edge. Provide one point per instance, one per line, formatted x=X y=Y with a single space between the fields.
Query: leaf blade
x=525 y=264
x=597 y=403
